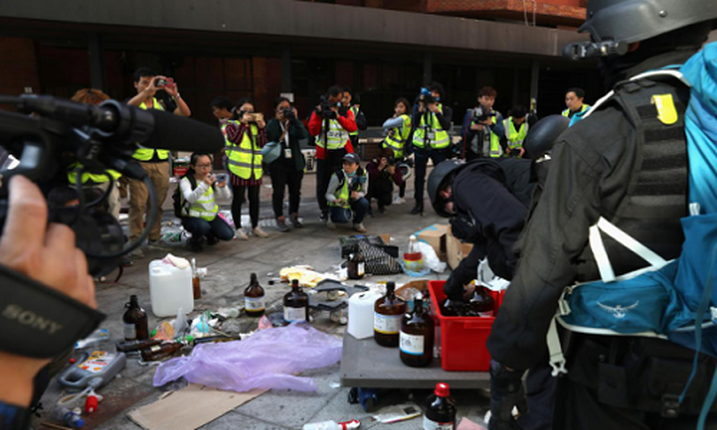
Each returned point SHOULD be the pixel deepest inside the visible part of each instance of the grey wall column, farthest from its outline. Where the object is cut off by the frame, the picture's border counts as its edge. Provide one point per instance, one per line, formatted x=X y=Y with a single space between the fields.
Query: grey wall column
x=427 y=68
x=534 y=78
x=286 y=76
x=97 y=60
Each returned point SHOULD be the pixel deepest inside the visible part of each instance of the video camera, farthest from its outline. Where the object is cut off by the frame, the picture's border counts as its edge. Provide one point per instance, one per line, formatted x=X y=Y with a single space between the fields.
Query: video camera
x=326 y=105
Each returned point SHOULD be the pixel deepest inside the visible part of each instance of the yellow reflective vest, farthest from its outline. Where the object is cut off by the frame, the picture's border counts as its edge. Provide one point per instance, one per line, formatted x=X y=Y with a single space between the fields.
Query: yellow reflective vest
x=97 y=178
x=343 y=193
x=432 y=132
x=245 y=158
x=355 y=111
x=146 y=154
x=398 y=136
x=336 y=135
x=205 y=207
x=515 y=137
x=566 y=112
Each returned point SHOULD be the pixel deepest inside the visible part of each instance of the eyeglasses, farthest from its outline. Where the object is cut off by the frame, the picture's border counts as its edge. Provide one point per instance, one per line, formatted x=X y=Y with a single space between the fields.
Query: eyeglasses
x=203 y=166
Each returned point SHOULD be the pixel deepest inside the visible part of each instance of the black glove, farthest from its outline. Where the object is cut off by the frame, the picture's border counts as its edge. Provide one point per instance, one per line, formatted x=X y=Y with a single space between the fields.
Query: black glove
x=454 y=290
x=506 y=392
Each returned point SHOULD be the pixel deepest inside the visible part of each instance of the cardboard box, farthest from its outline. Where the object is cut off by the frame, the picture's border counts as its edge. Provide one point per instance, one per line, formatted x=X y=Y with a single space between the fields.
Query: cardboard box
x=435 y=235
x=456 y=250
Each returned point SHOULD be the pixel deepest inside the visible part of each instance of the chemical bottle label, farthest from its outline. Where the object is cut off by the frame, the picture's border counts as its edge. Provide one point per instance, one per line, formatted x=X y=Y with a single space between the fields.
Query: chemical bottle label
x=432 y=425
x=294 y=314
x=130 y=331
x=386 y=324
x=411 y=343
x=97 y=362
x=254 y=303
x=361 y=269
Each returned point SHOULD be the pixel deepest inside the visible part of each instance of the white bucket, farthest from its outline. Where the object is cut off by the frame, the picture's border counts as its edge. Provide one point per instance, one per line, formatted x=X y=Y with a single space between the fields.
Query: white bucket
x=170 y=288
x=361 y=314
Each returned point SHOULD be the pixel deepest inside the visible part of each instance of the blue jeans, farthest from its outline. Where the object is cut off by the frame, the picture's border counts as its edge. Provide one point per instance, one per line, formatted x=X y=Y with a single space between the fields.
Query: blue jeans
x=214 y=228
x=343 y=215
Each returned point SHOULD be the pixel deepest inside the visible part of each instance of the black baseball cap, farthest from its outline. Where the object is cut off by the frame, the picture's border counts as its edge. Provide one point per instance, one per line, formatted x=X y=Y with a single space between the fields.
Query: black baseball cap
x=353 y=158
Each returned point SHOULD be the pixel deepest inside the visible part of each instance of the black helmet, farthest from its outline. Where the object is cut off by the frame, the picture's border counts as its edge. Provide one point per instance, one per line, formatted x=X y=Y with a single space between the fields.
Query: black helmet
x=437 y=181
x=614 y=24
x=543 y=134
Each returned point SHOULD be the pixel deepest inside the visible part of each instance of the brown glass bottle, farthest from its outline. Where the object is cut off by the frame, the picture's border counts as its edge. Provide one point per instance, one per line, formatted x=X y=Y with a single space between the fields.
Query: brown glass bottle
x=158 y=352
x=416 y=336
x=482 y=304
x=296 y=304
x=136 y=345
x=449 y=308
x=387 y=313
x=196 y=284
x=135 y=321
x=439 y=410
x=356 y=267
x=254 y=298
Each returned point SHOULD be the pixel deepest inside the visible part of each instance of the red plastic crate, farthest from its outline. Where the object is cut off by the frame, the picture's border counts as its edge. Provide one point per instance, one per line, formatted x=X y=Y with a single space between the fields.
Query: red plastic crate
x=463 y=339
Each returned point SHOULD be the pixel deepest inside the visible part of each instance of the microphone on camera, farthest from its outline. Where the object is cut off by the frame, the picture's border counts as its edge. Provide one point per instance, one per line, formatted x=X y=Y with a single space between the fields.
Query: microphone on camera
x=151 y=128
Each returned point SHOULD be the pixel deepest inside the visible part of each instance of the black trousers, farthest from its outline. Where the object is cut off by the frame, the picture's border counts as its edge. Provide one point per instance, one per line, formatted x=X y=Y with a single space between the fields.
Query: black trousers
x=422 y=156
x=382 y=191
x=285 y=175
x=238 y=200
x=324 y=169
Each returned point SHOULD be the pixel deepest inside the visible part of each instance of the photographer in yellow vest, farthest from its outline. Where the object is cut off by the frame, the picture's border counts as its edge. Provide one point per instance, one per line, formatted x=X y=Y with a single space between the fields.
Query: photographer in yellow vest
x=154 y=161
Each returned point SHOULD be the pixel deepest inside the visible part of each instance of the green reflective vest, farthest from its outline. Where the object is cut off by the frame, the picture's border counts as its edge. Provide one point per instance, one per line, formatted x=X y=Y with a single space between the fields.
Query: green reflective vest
x=496 y=151
x=566 y=112
x=437 y=137
x=146 y=154
x=398 y=136
x=343 y=193
x=205 y=207
x=515 y=138
x=97 y=178
x=245 y=158
x=336 y=135
x=355 y=111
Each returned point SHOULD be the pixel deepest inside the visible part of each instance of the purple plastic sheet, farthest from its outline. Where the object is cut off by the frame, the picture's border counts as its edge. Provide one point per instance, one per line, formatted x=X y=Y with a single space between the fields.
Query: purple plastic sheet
x=268 y=359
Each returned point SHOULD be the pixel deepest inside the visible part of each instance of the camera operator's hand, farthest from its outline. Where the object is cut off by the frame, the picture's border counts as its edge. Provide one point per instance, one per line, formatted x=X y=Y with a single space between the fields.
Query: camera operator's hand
x=210 y=179
x=335 y=110
x=260 y=122
x=171 y=88
x=391 y=169
x=47 y=255
x=522 y=152
x=433 y=107
x=383 y=163
x=246 y=118
x=340 y=202
x=421 y=107
x=354 y=195
x=222 y=184
x=506 y=392
x=476 y=127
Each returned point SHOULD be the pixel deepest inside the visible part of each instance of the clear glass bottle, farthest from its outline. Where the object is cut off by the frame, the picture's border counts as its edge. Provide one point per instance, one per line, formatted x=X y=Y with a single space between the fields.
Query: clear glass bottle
x=413 y=259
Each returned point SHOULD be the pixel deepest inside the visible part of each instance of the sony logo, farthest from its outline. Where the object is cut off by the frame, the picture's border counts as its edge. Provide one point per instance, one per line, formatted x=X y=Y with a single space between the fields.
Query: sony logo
x=30 y=318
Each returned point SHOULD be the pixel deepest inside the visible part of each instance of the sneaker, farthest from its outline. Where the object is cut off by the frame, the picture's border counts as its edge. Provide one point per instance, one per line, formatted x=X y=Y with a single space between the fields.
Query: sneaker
x=241 y=234
x=330 y=225
x=398 y=200
x=155 y=245
x=360 y=228
x=295 y=220
x=324 y=217
x=417 y=210
x=281 y=225
x=258 y=232
x=137 y=253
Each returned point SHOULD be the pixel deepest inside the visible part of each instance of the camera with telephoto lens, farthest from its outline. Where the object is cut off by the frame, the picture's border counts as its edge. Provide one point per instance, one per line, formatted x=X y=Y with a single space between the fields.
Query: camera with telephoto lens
x=326 y=105
x=426 y=99
x=480 y=116
x=391 y=161
x=288 y=113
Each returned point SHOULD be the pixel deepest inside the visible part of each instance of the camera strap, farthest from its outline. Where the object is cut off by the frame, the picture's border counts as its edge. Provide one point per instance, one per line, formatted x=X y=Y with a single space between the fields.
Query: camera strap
x=38 y=321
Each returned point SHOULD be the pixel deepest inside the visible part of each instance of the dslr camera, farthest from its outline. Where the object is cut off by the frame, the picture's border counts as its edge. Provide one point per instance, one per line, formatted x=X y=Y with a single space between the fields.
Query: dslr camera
x=326 y=105
x=160 y=82
x=480 y=116
x=288 y=113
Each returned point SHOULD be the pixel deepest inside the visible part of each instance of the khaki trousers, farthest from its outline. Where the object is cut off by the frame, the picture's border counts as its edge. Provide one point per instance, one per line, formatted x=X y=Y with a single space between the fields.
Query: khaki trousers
x=139 y=203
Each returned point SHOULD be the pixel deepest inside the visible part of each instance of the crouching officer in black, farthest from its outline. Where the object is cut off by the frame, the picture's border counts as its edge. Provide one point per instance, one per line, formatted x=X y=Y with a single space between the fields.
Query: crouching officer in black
x=621 y=163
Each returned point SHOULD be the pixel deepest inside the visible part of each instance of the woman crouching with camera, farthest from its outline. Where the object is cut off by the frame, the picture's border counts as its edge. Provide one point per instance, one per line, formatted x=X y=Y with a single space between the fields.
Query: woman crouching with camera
x=200 y=189
x=287 y=162
x=243 y=151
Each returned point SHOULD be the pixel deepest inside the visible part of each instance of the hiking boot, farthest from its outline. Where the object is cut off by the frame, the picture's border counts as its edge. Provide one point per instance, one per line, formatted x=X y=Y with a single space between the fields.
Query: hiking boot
x=241 y=234
x=295 y=220
x=258 y=232
x=360 y=228
x=281 y=225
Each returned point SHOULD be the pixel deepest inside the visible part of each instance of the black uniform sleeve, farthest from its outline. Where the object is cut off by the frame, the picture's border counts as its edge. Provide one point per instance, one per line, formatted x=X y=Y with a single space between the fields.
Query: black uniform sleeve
x=466 y=271
x=555 y=236
x=445 y=118
x=361 y=122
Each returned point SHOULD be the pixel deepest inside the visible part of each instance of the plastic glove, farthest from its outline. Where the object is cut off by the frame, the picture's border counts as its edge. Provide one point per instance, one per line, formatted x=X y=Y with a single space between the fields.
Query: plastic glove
x=506 y=392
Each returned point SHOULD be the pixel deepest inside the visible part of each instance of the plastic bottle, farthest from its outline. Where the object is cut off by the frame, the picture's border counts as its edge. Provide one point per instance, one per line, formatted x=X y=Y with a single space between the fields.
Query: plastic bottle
x=333 y=425
x=440 y=409
x=482 y=304
x=356 y=267
x=387 y=313
x=254 y=298
x=296 y=304
x=196 y=284
x=135 y=321
x=67 y=417
x=416 y=336
x=413 y=259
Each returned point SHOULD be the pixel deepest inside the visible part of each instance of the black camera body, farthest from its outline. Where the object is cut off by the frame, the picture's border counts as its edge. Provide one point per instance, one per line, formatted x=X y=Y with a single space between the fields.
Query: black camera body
x=326 y=105
x=289 y=114
x=426 y=99
x=391 y=161
x=160 y=82
x=480 y=116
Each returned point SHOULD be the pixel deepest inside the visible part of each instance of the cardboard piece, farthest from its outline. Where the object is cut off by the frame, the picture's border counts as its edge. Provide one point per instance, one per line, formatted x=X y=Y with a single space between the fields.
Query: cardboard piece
x=456 y=250
x=435 y=235
x=189 y=408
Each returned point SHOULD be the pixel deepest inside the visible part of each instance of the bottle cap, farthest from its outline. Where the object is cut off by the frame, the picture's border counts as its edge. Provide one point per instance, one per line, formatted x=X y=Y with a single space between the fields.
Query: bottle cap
x=442 y=390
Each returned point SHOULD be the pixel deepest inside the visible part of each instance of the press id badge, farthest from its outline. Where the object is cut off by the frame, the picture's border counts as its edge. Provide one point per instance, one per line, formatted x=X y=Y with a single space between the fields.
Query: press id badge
x=287 y=153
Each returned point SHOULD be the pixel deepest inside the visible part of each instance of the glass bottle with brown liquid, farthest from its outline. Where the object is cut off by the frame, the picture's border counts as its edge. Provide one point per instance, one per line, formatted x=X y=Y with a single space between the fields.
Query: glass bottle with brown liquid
x=196 y=284
x=158 y=352
x=296 y=304
x=254 y=298
x=387 y=313
x=416 y=337
x=134 y=321
x=482 y=304
x=356 y=267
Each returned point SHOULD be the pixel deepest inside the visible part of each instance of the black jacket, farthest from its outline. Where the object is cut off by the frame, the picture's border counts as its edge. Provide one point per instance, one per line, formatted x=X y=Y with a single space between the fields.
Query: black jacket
x=591 y=175
x=297 y=132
